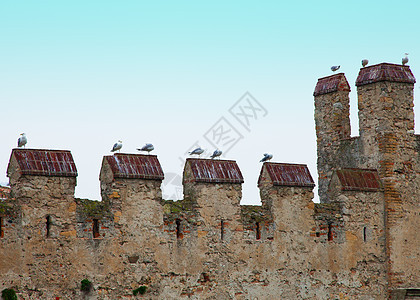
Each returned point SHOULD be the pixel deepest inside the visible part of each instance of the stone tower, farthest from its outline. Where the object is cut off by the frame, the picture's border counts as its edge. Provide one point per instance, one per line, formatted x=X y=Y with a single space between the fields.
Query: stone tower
x=388 y=143
x=332 y=121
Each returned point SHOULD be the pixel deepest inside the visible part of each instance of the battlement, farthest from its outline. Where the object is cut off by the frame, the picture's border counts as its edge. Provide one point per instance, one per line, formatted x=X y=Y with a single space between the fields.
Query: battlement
x=133 y=212
x=360 y=242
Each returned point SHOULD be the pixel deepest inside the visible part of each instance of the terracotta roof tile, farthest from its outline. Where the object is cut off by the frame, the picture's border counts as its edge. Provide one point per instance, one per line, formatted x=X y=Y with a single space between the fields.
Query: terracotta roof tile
x=4 y=192
x=288 y=174
x=359 y=180
x=45 y=162
x=385 y=72
x=333 y=83
x=215 y=170
x=135 y=166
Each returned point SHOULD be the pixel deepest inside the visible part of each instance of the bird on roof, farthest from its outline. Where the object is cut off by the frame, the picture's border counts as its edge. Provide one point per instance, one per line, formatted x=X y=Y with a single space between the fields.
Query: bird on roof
x=22 y=140
x=364 y=62
x=117 y=146
x=147 y=147
x=196 y=151
x=335 y=68
x=266 y=157
x=216 y=153
x=405 y=59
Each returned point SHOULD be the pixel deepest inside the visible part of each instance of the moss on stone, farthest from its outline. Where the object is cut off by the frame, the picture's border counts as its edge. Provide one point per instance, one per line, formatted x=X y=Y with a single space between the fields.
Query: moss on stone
x=8 y=294
x=327 y=208
x=94 y=209
x=254 y=213
x=5 y=209
x=176 y=207
x=141 y=290
x=85 y=285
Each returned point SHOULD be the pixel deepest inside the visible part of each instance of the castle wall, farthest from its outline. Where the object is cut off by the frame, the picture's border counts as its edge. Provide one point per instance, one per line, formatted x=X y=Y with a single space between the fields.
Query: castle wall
x=141 y=244
x=360 y=242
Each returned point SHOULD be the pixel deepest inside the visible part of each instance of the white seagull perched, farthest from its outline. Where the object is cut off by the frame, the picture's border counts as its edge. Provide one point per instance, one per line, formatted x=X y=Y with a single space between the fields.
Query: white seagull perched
x=364 y=62
x=266 y=157
x=22 y=140
x=196 y=151
x=405 y=59
x=216 y=153
x=335 y=68
x=147 y=147
x=117 y=146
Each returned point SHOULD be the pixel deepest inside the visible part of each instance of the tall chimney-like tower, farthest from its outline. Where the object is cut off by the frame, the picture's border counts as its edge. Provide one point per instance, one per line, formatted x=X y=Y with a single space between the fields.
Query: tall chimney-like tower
x=332 y=121
x=388 y=143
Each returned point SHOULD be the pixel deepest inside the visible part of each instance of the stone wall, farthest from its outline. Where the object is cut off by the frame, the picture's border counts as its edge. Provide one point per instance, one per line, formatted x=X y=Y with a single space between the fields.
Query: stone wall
x=359 y=243
x=182 y=249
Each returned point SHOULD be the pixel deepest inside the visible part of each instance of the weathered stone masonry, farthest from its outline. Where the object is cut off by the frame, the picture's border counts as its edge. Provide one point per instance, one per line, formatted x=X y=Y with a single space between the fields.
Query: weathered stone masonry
x=360 y=242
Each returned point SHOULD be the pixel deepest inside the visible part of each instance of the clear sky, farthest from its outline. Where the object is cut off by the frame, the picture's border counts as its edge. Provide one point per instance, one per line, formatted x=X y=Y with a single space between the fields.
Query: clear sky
x=79 y=75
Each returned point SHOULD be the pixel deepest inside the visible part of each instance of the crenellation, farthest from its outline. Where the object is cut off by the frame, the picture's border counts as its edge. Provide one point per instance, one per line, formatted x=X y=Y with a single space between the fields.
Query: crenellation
x=360 y=242
x=87 y=212
x=258 y=224
x=328 y=223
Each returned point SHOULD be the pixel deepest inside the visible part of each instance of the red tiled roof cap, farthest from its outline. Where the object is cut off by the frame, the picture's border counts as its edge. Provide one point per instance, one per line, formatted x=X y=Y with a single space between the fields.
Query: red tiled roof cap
x=333 y=83
x=45 y=162
x=136 y=166
x=4 y=192
x=215 y=170
x=385 y=72
x=359 y=180
x=282 y=174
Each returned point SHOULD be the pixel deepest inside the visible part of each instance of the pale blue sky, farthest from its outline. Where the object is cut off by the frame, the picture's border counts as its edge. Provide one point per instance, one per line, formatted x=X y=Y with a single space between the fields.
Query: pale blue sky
x=79 y=75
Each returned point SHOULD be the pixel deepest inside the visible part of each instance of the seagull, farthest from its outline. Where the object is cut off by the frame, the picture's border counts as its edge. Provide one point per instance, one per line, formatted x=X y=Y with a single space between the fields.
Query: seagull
x=335 y=68
x=216 y=153
x=117 y=146
x=22 y=140
x=405 y=59
x=364 y=62
x=197 y=151
x=266 y=157
x=147 y=147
